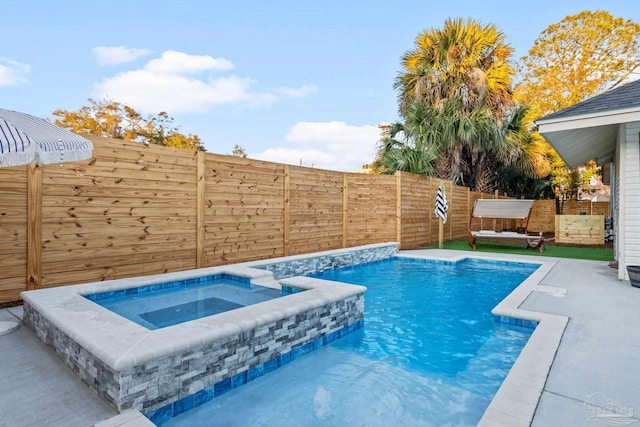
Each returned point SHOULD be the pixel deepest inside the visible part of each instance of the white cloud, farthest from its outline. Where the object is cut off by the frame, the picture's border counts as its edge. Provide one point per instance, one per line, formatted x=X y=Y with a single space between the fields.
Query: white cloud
x=168 y=84
x=300 y=92
x=173 y=62
x=113 y=55
x=12 y=72
x=328 y=145
x=293 y=156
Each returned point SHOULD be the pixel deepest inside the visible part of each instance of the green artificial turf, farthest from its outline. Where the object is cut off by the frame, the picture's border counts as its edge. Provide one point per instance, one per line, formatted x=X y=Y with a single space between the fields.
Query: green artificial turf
x=590 y=253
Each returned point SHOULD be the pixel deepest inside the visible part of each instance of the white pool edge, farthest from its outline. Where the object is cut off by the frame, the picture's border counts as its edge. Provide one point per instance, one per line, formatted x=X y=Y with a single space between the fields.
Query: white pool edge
x=516 y=401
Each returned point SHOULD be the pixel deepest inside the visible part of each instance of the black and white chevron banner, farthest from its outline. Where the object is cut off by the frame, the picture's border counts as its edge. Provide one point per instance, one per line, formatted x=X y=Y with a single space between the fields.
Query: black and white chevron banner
x=442 y=206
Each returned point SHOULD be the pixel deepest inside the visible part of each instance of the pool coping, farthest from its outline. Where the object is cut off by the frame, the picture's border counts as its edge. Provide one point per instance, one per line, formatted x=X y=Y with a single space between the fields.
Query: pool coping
x=123 y=343
x=515 y=403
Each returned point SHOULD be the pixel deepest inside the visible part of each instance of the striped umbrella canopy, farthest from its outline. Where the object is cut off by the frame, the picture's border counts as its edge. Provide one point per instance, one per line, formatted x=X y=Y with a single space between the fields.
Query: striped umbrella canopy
x=27 y=139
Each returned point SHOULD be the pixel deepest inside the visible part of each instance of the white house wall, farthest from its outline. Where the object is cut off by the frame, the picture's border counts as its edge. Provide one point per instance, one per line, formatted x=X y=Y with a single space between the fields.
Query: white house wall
x=615 y=198
x=629 y=203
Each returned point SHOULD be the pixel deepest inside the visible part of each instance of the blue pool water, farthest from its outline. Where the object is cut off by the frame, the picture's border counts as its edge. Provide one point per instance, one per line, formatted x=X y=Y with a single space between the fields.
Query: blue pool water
x=430 y=354
x=166 y=304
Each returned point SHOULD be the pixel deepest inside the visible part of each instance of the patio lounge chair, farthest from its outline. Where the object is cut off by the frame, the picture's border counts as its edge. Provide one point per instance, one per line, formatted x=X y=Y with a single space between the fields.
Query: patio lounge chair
x=504 y=209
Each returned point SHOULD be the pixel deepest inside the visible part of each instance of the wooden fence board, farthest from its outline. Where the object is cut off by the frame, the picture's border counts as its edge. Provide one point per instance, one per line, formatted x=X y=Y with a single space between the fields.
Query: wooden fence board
x=414 y=211
x=542 y=217
x=315 y=210
x=108 y=244
x=458 y=215
x=371 y=209
x=111 y=202
x=104 y=220
x=579 y=229
x=14 y=215
x=54 y=231
x=257 y=188
x=58 y=251
x=93 y=175
x=60 y=265
x=150 y=183
x=53 y=279
x=13 y=191
x=133 y=152
x=600 y=208
x=11 y=261
x=576 y=207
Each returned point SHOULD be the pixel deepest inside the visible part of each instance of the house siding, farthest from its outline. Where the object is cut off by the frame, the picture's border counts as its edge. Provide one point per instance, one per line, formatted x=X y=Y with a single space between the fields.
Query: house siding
x=630 y=198
x=618 y=240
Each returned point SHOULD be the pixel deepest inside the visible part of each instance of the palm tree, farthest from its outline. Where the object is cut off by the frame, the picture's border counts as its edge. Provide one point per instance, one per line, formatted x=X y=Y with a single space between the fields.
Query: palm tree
x=462 y=72
x=530 y=152
x=525 y=167
x=464 y=59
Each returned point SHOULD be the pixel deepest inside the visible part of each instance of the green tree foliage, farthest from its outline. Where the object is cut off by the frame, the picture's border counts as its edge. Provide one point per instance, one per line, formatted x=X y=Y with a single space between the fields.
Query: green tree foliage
x=410 y=146
x=239 y=151
x=115 y=120
x=530 y=152
x=526 y=171
x=577 y=58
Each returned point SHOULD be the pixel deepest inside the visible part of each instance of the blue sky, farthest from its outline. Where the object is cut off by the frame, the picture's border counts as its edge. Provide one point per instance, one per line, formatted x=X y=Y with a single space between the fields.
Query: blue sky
x=289 y=81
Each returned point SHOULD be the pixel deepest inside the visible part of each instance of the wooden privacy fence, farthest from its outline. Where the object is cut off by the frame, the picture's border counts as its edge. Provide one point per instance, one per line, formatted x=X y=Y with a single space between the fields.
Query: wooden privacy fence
x=136 y=209
x=580 y=229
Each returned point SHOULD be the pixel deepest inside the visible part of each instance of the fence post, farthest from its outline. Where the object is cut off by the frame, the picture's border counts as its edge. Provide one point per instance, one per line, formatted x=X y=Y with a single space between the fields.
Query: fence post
x=430 y=197
x=440 y=222
x=399 y=207
x=450 y=202
x=468 y=213
x=34 y=226
x=285 y=216
x=200 y=211
x=345 y=208
x=495 y=221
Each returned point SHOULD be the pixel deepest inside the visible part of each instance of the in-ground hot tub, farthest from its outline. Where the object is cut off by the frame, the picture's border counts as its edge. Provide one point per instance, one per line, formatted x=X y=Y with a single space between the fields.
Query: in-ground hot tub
x=174 y=368
x=170 y=303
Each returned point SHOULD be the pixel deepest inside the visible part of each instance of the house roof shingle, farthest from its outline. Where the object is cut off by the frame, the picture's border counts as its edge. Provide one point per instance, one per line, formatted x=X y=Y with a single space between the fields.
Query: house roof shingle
x=620 y=98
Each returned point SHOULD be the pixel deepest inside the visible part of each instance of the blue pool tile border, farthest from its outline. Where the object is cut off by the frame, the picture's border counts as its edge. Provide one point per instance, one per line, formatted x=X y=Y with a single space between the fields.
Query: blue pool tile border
x=443 y=262
x=288 y=290
x=476 y=261
x=167 y=412
x=524 y=323
x=501 y=263
x=195 y=281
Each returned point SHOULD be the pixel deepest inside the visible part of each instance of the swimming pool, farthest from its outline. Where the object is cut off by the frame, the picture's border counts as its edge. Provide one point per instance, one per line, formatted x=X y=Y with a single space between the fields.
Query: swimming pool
x=179 y=301
x=431 y=353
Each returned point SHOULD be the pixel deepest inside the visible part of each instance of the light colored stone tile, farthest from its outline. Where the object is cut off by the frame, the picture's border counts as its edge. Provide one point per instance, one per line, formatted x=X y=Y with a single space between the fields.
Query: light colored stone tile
x=494 y=418
x=131 y=418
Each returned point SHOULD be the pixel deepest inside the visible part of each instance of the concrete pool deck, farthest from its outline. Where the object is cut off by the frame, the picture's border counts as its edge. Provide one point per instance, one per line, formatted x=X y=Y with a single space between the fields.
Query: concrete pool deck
x=593 y=370
x=37 y=389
